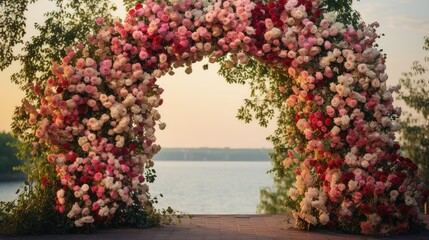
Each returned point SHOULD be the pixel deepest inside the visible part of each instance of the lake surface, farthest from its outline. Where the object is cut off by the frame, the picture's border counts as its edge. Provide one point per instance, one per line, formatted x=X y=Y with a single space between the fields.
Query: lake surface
x=8 y=190
x=200 y=187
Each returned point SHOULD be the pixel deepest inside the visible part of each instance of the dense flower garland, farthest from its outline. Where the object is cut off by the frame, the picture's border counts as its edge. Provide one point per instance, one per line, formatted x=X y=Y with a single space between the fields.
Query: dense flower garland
x=99 y=112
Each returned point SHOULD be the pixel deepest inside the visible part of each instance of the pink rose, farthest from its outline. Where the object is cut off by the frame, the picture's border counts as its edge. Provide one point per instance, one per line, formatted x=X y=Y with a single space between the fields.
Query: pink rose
x=335 y=102
x=357 y=196
x=330 y=111
x=351 y=102
x=182 y=30
x=98 y=176
x=366 y=228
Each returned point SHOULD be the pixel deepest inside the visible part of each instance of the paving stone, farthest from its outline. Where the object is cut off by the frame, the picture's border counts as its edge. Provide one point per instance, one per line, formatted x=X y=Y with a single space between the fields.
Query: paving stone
x=211 y=227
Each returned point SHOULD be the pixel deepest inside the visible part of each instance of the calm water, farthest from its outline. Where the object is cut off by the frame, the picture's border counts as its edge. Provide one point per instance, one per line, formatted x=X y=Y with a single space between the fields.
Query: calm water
x=8 y=190
x=201 y=187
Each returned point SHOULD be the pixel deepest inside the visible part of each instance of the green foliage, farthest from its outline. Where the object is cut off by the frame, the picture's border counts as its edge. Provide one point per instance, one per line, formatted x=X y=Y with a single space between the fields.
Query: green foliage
x=272 y=199
x=135 y=216
x=12 y=28
x=415 y=124
x=8 y=158
x=344 y=10
x=32 y=213
x=262 y=82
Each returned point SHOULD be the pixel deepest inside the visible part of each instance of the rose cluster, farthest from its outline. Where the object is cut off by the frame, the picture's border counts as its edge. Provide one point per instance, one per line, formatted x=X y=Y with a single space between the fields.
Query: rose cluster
x=99 y=110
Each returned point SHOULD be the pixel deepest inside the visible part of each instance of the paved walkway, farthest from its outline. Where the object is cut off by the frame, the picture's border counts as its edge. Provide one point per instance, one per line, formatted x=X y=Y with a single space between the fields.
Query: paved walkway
x=249 y=227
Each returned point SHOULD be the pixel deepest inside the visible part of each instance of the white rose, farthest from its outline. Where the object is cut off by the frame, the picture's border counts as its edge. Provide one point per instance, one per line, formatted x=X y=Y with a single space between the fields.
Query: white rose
x=60 y=193
x=339 y=89
x=324 y=218
x=375 y=83
x=276 y=33
x=387 y=96
x=348 y=81
x=88 y=219
x=312 y=192
x=386 y=122
x=297 y=14
x=350 y=158
x=91 y=137
x=85 y=187
x=61 y=200
x=374 y=219
x=78 y=194
x=362 y=68
x=332 y=87
x=293 y=193
x=104 y=211
x=357 y=172
x=338 y=121
x=310 y=219
x=364 y=164
x=368 y=157
x=393 y=195
x=85 y=211
x=410 y=201
x=335 y=130
x=330 y=17
x=335 y=102
x=112 y=210
x=301 y=124
x=352 y=185
x=345 y=120
x=78 y=223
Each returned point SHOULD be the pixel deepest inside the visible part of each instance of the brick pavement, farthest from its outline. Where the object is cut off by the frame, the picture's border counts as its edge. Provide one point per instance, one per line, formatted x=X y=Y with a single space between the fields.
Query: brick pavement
x=249 y=227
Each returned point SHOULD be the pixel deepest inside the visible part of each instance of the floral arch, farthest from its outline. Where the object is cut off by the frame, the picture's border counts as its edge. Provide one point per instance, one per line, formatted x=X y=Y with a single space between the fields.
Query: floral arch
x=99 y=113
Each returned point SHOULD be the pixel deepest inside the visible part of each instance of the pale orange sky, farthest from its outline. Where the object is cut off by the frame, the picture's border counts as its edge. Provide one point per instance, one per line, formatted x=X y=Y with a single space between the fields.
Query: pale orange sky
x=200 y=108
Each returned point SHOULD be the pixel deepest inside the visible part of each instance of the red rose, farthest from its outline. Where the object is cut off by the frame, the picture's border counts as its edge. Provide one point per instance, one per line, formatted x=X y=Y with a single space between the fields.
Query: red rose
x=365 y=208
x=59 y=90
x=125 y=151
x=156 y=42
x=45 y=181
x=309 y=96
x=287 y=62
x=297 y=117
x=83 y=109
x=71 y=156
x=403 y=208
x=328 y=122
x=317 y=13
x=368 y=190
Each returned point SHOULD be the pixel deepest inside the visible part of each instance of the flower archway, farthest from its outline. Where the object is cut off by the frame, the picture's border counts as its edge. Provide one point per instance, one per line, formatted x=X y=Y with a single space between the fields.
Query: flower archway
x=99 y=113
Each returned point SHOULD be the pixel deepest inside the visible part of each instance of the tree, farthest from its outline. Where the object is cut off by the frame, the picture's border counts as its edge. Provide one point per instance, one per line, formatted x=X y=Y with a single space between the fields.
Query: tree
x=415 y=123
x=12 y=24
x=8 y=158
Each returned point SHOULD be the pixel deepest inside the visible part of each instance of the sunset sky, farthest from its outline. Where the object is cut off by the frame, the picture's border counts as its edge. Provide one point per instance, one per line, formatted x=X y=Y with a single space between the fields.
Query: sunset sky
x=200 y=108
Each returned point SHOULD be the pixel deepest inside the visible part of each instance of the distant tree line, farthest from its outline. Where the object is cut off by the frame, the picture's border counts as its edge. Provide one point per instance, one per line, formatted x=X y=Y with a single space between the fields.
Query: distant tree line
x=213 y=154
